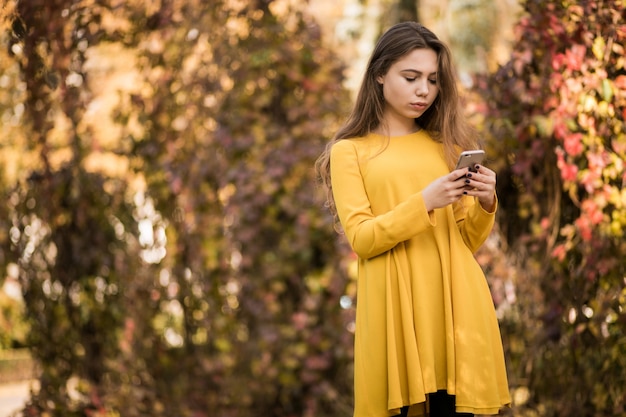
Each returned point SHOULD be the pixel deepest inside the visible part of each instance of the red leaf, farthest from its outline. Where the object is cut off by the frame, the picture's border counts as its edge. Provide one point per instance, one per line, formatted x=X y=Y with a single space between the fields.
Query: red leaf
x=620 y=82
x=573 y=144
x=575 y=56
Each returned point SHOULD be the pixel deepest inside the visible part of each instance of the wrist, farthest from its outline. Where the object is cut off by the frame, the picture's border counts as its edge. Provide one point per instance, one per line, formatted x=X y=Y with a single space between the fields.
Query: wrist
x=489 y=205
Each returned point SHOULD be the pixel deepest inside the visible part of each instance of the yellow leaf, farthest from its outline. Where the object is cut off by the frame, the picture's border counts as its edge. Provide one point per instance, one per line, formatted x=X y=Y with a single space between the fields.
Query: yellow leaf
x=589 y=103
x=598 y=48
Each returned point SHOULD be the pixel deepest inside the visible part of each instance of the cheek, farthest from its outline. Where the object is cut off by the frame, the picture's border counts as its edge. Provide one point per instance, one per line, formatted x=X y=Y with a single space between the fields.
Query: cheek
x=394 y=89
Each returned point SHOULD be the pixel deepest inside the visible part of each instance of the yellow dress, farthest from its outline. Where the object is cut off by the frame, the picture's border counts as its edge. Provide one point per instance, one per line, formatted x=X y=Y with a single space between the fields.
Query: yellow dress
x=425 y=319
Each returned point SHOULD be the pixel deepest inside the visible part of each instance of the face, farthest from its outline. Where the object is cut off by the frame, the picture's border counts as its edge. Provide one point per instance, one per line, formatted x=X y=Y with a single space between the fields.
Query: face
x=410 y=85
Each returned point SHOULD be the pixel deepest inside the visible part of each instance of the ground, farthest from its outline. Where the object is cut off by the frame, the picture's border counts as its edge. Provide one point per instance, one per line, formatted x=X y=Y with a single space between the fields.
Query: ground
x=12 y=397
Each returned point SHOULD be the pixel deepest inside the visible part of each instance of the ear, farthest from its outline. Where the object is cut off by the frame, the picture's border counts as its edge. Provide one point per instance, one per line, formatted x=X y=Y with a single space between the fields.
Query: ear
x=379 y=79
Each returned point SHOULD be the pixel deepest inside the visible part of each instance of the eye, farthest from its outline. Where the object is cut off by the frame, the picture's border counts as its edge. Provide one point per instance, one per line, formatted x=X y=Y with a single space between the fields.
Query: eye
x=410 y=79
x=433 y=82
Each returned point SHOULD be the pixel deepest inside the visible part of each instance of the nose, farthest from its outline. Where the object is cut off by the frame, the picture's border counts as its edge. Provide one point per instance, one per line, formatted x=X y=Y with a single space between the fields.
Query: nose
x=421 y=89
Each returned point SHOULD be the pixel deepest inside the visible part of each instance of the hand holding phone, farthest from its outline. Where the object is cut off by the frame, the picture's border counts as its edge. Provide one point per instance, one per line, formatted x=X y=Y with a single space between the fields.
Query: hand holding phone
x=450 y=188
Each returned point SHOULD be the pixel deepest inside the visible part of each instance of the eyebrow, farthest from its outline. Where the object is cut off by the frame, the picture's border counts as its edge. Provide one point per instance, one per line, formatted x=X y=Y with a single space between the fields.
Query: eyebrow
x=416 y=71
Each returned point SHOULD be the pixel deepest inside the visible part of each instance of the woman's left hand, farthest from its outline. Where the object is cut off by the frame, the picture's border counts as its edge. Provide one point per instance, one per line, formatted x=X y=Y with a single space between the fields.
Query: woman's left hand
x=482 y=184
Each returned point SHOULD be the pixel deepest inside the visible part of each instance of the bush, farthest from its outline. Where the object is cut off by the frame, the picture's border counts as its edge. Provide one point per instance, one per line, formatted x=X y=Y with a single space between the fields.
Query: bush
x=556 y=113
x=186 y=266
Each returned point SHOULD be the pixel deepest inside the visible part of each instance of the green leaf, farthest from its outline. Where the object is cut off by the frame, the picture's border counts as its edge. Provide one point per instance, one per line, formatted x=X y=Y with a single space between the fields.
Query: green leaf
x=544 y=124
x=607 y=90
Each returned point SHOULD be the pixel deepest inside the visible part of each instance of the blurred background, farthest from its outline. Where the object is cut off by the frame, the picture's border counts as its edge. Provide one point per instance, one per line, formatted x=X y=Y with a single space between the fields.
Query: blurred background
x=164 y=245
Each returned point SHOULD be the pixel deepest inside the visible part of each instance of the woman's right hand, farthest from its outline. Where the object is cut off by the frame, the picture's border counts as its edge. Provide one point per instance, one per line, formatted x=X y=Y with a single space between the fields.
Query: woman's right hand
x=445 y=190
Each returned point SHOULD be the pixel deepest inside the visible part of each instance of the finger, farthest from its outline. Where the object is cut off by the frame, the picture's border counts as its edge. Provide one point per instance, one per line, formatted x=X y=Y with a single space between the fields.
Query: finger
x=458 y=174
x=458 y=186
x=482 y=178
x=483 y=189
x=483 y=170
x=468 y=184
x=479 y=187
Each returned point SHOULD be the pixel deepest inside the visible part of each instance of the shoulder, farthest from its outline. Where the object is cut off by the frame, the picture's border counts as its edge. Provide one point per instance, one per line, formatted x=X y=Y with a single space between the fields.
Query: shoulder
x=342 y=153
x=345 y=148
x=356 y=143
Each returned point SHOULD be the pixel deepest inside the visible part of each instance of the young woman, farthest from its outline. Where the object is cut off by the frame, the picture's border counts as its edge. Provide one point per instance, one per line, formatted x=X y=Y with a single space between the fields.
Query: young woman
x=427 y=340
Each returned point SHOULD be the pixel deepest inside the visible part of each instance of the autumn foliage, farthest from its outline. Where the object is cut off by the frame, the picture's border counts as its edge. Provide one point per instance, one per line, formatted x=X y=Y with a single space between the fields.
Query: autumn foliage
x=173 y=249
x=557 y=114
x=174 y=253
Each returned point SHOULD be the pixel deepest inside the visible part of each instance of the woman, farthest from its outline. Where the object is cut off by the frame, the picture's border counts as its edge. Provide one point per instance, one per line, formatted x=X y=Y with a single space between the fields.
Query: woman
x=427 y=340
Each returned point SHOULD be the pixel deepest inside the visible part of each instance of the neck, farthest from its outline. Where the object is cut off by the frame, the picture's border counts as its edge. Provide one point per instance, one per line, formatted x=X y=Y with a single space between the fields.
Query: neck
x=392 y=125
x=392 y=131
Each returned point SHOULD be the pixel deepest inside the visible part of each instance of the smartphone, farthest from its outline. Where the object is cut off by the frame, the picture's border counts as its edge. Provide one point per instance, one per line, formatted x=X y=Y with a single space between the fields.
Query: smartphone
x=470 y=159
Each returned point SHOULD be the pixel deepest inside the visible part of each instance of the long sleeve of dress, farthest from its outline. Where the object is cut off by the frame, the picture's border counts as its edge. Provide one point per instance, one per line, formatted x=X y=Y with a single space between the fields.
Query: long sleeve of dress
x=474 y=222
x=369 y=234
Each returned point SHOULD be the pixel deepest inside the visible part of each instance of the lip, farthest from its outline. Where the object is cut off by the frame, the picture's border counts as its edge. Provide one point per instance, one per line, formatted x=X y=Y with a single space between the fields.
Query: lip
x=419 y=106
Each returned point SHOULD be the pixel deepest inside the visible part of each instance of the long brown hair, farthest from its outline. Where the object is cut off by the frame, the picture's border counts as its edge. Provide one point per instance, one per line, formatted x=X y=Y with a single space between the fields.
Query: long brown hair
x=444 y=120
